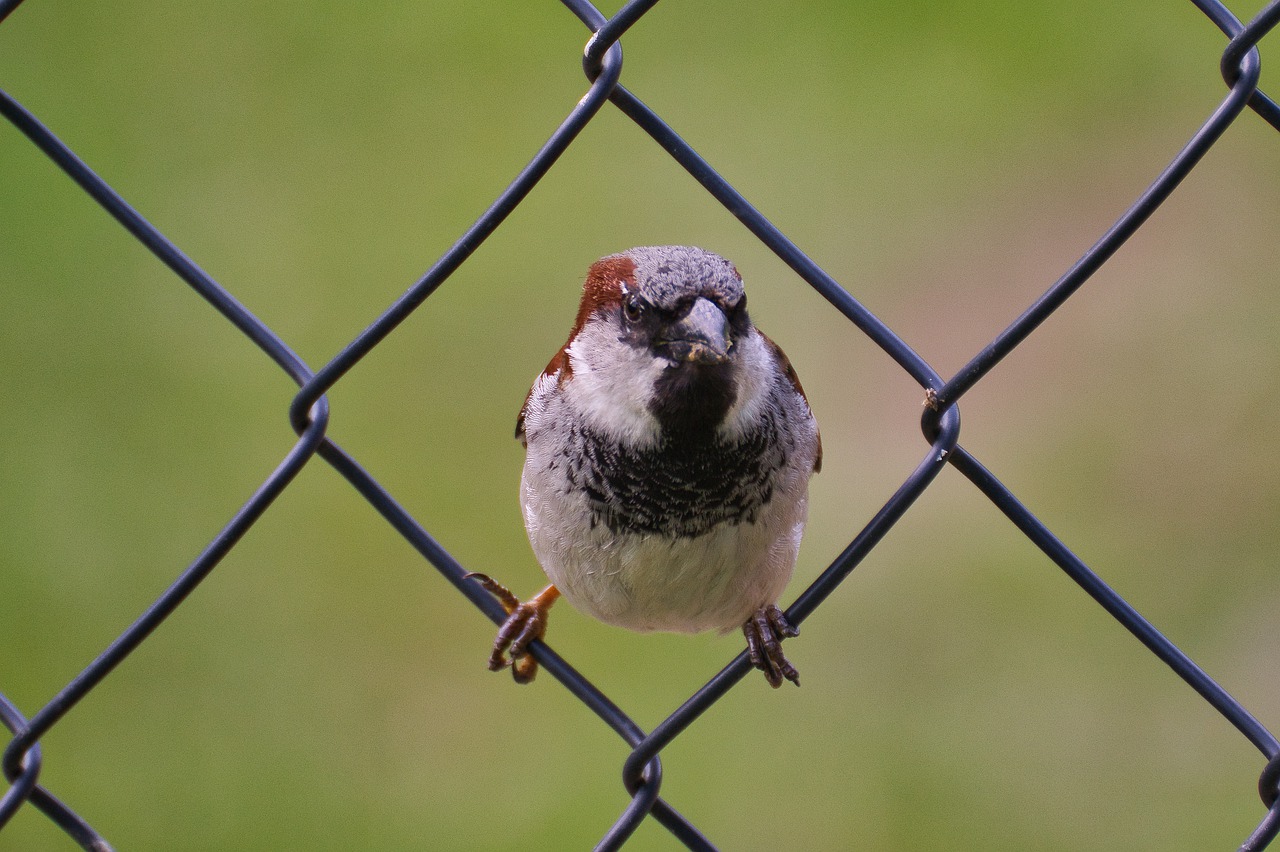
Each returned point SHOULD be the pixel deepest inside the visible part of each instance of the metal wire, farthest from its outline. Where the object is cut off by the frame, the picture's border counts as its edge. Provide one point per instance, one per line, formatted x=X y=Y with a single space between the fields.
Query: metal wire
x=309 y=413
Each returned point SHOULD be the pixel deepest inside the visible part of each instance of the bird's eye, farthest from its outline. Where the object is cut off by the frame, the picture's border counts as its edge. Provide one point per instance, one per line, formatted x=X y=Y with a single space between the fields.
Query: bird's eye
x=633 y=308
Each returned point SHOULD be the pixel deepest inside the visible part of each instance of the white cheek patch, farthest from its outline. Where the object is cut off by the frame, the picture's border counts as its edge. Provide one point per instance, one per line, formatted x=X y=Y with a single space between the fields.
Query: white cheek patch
x=612 y=383
x=755 y=378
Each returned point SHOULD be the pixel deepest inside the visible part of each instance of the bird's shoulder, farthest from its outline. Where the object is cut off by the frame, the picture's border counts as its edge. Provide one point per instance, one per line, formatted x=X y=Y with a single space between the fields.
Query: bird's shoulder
x=793 y=378
x=558 y=370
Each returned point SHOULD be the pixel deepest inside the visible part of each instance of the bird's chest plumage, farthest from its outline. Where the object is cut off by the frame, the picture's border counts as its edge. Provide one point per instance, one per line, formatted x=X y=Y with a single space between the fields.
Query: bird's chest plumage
x=686 y=532
x=680 y=487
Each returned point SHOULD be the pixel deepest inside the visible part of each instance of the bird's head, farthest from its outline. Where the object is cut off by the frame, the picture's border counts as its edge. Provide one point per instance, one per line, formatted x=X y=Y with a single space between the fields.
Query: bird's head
x=662 y=342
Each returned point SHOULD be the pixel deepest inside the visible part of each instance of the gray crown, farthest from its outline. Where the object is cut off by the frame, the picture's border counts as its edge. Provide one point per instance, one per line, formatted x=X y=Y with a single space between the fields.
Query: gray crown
x=668 y=275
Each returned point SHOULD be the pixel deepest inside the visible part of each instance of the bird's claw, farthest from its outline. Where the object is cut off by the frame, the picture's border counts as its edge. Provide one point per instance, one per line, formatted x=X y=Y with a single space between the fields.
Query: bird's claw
x=765 y=630
x=504 y=595
x=526 y=623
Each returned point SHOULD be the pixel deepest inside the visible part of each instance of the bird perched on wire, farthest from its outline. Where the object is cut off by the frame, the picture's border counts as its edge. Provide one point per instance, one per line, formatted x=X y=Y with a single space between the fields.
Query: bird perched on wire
x=669 y=447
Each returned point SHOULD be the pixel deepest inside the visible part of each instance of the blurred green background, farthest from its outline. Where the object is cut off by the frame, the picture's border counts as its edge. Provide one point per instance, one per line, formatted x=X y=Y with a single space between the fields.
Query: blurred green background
x=946 y=162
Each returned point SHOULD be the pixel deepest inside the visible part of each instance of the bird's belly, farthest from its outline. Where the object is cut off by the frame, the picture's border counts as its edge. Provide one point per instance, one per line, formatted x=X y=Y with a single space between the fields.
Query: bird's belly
x=650 y=581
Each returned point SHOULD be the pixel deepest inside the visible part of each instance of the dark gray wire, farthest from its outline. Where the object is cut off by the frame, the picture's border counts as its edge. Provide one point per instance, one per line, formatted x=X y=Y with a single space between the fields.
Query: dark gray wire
x=309 y=415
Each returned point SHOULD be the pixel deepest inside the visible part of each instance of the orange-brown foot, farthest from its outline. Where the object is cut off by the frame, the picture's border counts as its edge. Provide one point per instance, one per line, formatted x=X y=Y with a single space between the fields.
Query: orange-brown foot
x=526 y=623
x=765 y=630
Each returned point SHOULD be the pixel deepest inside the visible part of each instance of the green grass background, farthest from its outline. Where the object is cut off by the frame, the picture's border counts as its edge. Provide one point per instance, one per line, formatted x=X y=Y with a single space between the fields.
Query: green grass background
x=946 y=162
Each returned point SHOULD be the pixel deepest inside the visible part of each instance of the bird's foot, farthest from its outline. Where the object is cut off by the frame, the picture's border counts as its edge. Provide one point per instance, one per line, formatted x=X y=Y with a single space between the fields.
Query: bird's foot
x=765 y=630
x=526 y=623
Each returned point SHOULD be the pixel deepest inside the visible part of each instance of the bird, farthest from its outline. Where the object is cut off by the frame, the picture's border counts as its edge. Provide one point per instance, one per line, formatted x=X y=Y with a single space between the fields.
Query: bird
x=668 y=451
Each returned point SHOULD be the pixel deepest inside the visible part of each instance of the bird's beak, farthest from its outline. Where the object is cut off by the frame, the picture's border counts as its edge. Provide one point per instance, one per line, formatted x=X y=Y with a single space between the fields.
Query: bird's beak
x=699 y=337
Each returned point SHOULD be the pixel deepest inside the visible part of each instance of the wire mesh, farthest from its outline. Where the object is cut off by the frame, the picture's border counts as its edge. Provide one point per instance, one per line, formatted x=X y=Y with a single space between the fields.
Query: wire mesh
x=309 y=413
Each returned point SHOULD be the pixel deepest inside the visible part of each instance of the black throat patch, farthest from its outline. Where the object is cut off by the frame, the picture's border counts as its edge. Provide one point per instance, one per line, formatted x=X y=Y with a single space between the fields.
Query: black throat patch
x=691 y=400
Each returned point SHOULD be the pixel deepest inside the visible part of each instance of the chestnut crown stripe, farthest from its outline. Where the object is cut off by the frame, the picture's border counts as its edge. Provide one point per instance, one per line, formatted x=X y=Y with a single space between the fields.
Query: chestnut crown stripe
x=604 y=287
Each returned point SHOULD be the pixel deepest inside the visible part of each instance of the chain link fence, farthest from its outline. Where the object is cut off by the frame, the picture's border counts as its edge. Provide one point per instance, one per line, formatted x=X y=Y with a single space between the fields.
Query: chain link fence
x=310 y=413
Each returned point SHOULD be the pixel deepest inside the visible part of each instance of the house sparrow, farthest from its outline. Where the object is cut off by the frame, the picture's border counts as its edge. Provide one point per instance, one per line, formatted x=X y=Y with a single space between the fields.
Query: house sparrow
x=669 y=447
